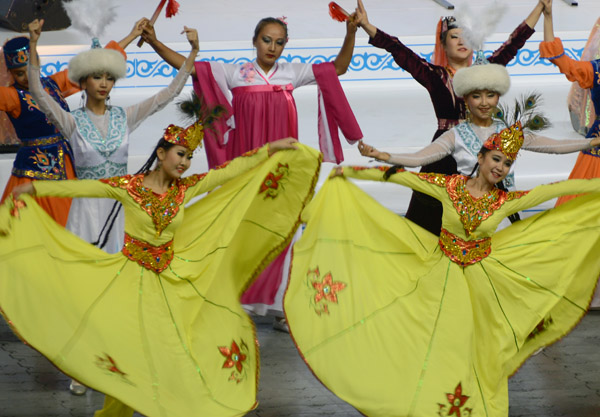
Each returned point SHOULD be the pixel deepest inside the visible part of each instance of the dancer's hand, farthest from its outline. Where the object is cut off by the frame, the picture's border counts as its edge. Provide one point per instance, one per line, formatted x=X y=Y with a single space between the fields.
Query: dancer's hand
x=363 y=21
x=351 y=24
x=371 y=152
x=35 y=30
x=547 y=7
x=26 y=188
x=337 y=172
x=148 y=33
x=192 y=37
x=138 y=28
x=361 y=14
x=282 y=144
x=595 y=142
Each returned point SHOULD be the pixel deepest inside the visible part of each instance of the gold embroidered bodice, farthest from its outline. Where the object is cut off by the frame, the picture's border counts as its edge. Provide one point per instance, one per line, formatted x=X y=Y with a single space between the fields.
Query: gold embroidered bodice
x=161 y=208
x=469 y=223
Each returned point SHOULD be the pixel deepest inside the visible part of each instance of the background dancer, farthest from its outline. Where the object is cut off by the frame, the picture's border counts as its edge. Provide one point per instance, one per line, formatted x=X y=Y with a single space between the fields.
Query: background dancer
x=451 y=54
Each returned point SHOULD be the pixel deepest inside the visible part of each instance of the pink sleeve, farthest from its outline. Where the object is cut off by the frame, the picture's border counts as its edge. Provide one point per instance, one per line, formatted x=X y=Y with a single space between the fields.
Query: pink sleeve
x=207 y=88
x=334 y=112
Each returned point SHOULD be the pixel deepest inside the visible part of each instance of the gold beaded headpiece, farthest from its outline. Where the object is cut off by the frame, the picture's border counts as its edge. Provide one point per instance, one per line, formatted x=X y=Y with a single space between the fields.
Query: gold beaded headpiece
x=190 y=137
x=508 y=141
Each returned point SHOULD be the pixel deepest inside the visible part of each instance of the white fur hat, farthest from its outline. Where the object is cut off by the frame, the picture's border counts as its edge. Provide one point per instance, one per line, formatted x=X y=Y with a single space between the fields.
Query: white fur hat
x=97 y=61
x=491 y=77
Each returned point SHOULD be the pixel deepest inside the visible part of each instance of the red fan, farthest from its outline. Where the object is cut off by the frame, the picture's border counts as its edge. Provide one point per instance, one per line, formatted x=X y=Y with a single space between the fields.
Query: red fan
x=172 y=9
x=337 y=12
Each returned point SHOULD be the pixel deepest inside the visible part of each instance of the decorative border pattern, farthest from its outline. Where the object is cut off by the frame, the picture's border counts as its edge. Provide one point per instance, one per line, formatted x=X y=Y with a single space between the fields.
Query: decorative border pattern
x=146 y=69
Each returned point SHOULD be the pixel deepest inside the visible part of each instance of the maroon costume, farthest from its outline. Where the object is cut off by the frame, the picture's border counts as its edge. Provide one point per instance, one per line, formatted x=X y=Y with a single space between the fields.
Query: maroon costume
x=449 y=109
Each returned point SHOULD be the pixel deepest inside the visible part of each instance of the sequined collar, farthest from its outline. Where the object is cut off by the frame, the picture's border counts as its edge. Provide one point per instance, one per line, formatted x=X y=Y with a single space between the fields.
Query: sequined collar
x=162 y=208
x=473 y=211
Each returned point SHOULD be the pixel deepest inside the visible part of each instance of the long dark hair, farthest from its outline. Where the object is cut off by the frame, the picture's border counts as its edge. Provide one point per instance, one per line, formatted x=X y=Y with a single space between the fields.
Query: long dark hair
x=391 y=171
x=116 y=208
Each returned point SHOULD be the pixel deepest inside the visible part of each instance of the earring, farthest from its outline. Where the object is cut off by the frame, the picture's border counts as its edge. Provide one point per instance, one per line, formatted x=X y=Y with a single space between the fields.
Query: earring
x=468 y=115
x=108 y=100
x=82 y=101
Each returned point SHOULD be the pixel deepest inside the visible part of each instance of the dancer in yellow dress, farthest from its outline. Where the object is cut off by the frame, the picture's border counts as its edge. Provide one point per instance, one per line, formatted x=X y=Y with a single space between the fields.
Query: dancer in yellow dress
x=158 y=326
x=398 y=322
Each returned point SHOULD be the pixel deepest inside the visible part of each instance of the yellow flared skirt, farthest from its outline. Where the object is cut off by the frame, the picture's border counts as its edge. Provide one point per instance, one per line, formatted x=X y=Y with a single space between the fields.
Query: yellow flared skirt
x=391 y=325
x=169 y=344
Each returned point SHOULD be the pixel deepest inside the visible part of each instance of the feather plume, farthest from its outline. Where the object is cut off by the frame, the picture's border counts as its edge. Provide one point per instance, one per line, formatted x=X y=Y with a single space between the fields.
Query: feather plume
x=476 y=27
x=91 y=17
x=526 y=111
x=193 y=109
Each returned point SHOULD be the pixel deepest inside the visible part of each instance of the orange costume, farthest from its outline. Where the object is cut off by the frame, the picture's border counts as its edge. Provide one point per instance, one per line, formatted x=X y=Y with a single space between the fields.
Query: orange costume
x=585 y=73
x=45 y=153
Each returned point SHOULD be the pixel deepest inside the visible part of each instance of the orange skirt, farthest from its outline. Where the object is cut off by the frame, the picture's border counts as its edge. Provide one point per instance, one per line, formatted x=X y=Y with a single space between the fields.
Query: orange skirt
x=586 y=166
x=56 y=207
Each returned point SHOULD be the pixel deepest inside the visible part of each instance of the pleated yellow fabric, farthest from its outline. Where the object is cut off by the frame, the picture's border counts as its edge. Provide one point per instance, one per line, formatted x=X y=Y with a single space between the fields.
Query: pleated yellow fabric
x=389 y=323
x=174 y=343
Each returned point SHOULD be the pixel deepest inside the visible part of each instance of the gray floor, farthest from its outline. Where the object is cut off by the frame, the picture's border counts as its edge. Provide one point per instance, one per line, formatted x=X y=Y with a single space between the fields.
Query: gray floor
x=563 y=380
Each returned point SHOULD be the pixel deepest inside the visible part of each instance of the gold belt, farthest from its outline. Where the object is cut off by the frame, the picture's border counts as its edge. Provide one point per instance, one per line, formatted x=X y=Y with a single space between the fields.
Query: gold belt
x=464 y=252
x=154 y=258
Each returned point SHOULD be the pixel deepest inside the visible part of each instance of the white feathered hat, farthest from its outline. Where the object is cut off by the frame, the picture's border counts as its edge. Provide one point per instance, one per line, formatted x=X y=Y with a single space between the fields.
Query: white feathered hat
x=491 y=77
x=92 y=17
x=475 y=29
x=97 y=61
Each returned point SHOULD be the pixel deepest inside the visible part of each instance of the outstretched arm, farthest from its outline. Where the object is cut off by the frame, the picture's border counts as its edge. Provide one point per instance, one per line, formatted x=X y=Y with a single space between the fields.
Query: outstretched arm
x=69 y=188
x=344 y=57
x=433 y=185
x=552 y=49
x=517 y=39
x=435 y=151
x=406 y=59
x=543 y=144
x=135 y=32
x=171 y=57
x=548 y=23
x=231 y=169
x=536 y=13
x=547 y=192
x=362 y=20
x=62 y=119
x=139 y=112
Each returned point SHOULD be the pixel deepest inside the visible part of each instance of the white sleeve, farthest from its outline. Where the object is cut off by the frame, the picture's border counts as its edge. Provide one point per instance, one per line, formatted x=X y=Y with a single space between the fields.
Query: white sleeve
x=224 y=72
x=303 y=74
x=62 y=119
x=223 y=75
x=536 y=143
x=137 y=113
x=438 y=149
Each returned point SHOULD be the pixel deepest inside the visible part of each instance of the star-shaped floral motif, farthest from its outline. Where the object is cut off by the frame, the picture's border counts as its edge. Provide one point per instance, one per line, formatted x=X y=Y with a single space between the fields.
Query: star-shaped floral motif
x=108 y=363
x=456 y=400
x=17 y=206
x=273 y=181
x=233 y=356
x=327 y=289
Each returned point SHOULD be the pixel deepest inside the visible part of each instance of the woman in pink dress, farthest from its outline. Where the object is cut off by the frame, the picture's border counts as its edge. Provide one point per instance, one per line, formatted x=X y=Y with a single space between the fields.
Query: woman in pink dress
x=259 y=108
x=257 y=96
